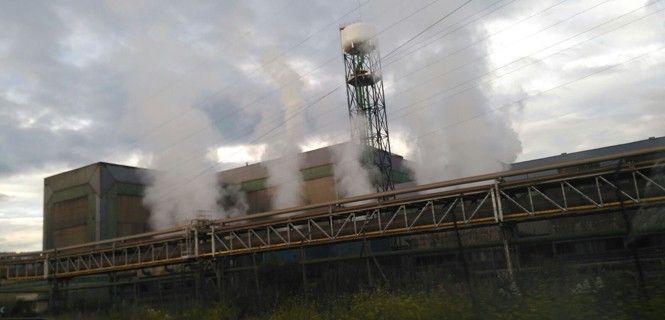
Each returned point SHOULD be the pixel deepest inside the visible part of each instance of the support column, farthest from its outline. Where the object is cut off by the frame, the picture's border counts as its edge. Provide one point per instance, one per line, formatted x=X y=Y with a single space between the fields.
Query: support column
x=304 y=273
x=462 y=258
x=363 y=252
x=160 y=291
x=135 y=289
x=112 y=288
x=53 y=295
x=256 y=277
x=197 y=280
x=629 y=228
x=506 y=232
x=219 y=275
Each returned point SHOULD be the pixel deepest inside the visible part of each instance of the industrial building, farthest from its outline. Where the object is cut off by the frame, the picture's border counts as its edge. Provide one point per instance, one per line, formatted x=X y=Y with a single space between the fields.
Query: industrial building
x=104 y=201
x=95 y=202
x=595 y=210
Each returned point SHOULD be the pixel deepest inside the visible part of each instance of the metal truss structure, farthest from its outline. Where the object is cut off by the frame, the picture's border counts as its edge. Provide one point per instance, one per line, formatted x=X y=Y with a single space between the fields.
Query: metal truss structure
x=367 y=112
x=594 y=186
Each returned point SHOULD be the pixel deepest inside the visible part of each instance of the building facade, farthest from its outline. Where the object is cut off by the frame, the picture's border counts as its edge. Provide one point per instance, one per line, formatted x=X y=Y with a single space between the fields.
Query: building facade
x=103 y=200
x=96 y=202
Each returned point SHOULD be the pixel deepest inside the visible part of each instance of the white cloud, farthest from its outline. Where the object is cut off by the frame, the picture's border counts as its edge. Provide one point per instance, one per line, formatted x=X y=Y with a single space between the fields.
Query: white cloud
x=240 y=154
x=20 y=234
x=21 y=209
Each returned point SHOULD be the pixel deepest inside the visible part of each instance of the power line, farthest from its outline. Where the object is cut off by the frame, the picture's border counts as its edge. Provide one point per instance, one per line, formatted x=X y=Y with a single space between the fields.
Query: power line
x=209 y=97
x=277 y=127
x=189 y=72
x=332 y=58
x=300 y=77
x=431 y=39
x=336 y=88
x=540 y=93
x=428 y=27
x=526 y=57
x=520 y=101
x=502 y=30
x=531 y=62
x=539 y=51
x=258 y=138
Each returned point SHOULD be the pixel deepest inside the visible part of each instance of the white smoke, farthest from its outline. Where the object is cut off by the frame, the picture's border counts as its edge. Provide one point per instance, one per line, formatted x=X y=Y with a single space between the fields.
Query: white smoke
x=163 y=116
x=183 y=184
x=351 y=178
x=454 y=134
x=284 y=174
x=233 y=201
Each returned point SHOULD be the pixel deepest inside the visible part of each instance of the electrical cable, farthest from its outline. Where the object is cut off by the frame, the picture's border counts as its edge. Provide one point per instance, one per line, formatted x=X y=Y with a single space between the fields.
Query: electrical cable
x=275 y=128
x=540 y=93
x=332 y=58
x=428 y=27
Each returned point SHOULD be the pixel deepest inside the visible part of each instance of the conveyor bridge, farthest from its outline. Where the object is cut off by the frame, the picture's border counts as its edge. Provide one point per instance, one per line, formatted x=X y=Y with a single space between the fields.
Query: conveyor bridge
x=621 y=181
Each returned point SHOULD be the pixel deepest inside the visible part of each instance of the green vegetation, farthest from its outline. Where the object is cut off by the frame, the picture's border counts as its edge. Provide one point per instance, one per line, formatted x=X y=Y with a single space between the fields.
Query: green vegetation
x=551 y=297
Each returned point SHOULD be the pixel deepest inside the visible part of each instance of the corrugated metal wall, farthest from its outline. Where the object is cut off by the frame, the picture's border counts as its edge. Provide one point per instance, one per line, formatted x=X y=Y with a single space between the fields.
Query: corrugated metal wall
x=95 y=202
x=103 y=200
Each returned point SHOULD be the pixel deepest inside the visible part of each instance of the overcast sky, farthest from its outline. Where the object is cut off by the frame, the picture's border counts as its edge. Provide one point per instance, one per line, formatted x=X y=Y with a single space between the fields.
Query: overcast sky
x=127 y=81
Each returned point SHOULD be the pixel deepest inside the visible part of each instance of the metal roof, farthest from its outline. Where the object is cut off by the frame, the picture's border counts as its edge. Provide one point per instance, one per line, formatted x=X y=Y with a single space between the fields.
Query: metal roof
x=598 y=152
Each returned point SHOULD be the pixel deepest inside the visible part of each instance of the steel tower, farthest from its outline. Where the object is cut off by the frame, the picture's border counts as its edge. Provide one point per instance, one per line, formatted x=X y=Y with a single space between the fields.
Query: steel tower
x=366 y=102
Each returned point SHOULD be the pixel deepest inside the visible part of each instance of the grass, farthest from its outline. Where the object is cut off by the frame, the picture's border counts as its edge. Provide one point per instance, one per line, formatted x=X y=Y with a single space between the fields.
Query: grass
x=548 y=300
x=556 y=293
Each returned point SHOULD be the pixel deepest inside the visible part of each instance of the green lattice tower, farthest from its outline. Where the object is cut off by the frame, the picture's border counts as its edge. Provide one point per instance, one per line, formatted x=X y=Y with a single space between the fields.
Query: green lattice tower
x=367 y=106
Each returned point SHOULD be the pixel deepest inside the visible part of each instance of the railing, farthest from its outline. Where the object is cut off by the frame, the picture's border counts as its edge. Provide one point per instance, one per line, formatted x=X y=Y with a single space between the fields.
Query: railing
x=470 y=202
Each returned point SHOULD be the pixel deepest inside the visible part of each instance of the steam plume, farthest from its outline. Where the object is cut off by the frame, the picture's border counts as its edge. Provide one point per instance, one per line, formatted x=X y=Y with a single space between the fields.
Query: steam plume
x=351 y=178
x=455 y=134
x=284 y=171
x=183 y=184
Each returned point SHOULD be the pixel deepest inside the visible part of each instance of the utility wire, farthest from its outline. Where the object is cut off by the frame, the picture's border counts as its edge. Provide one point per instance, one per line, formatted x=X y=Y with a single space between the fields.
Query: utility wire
x=533 y=61
x=411 y=111
x=335 y=89
x=428 y=27
x=253 y=141
x=456 y=51
x=150 y=130
x=255 y=71
x=209 y=97
x=306 y=107
x=332 y=58
x=529 y=58
x=538 y=94
x=431 y=39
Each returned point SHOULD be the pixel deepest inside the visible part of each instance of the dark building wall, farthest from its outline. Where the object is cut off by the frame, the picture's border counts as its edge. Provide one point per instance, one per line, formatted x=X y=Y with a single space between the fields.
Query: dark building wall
x=317 y=171
x=95 y=202
x=103 y=200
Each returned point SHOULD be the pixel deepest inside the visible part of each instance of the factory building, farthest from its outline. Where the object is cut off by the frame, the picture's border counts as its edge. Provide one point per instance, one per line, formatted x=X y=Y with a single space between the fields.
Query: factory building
x=103 y=200
x=588 y=238
x=95 y=202
x=317 y=172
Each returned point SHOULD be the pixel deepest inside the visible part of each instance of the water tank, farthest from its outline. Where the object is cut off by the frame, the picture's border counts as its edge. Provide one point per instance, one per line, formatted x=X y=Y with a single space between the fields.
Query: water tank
x=357 y=38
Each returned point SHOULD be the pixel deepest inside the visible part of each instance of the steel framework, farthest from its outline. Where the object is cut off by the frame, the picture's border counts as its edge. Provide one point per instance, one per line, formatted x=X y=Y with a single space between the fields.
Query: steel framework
x=556 y=190
x=367 y=112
